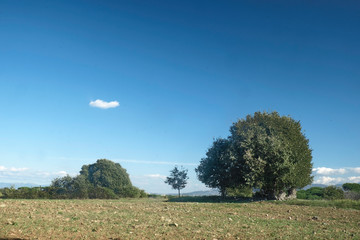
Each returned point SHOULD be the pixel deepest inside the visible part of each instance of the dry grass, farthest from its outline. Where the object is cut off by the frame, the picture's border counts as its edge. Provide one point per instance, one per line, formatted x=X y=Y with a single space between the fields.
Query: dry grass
x=154 y=219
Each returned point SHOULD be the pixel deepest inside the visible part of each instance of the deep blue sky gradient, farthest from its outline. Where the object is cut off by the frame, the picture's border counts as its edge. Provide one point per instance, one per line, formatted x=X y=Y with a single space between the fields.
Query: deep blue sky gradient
x=183 y=72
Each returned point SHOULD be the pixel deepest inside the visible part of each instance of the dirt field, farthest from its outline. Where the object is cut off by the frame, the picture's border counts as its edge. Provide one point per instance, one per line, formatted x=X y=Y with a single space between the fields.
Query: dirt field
x=155 y=219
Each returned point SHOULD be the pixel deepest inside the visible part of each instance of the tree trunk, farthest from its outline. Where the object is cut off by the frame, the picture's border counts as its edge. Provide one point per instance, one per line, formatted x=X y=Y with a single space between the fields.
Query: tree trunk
x=223 y=192
x=179 y=192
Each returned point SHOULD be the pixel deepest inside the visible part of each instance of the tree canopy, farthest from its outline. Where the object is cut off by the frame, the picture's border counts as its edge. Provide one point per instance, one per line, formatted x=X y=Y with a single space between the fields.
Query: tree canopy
x=178 y=179
x=103 y=179
x=105 y=173
x=265 y=151
x=354 y=187
x=214 y=169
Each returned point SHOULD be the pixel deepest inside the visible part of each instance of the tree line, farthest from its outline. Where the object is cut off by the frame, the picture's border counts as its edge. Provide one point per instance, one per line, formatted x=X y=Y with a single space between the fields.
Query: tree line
x=103 y=179
x=348 y=191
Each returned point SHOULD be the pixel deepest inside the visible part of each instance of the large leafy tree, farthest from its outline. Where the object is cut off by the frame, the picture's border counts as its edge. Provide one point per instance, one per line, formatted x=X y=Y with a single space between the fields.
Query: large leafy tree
x=265 y=151
x=214 y=169
x=105 y=173
x=272 y=153
x=103 y=179
x=177 y=179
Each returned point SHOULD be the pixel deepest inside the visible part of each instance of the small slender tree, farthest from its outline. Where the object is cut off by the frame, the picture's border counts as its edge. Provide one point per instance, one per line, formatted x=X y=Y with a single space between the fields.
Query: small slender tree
x=178 y=178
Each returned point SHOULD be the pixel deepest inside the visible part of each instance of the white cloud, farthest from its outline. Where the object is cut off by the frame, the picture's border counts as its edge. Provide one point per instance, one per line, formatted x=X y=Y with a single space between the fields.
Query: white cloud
x=329 y=171
x=156 y=176
x=17 y=169
x=329 y=180
x=355 y=179
x=103 y=104
x=12 y=169
x=61 y=173
x=356 y=170
x=26 y=175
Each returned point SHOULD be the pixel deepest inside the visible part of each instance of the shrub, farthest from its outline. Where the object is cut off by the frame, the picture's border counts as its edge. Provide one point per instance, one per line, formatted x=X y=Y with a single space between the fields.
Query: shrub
x=128 y=192
x=352 y=195
x=354 y=187
x=313 y=197
x=143 y=194
x=102 y=193
x=239 y=191
x=318 y=191
x=332 y=193
x=301 y=194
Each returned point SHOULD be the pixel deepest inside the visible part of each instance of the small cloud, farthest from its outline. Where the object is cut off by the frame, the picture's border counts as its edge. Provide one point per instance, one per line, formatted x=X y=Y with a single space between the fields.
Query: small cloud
x=329 y=171
x=103 y=104
x=357 y=169
x=61 y=173
x=12 y=169
x=156 y=176
x=17 y=169
x=26 y=175
x=355 y=179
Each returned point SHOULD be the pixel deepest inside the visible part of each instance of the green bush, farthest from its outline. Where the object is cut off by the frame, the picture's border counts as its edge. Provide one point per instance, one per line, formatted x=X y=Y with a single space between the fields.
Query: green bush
x=353 y=187
x=143 y=194
x=128 y=192
x=152 y=195
x=301 y=194
x=239 y=192
x=318 y=191
x=313 y=197
x=314 y=193
x=333 y=193
x=102 y=193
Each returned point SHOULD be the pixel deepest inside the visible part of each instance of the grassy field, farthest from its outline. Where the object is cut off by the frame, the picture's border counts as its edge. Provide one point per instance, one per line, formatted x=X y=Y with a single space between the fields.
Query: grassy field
x=157 y=219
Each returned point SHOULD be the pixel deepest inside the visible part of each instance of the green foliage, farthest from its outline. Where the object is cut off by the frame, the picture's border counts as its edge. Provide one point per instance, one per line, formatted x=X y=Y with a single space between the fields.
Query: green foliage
x=80 y=187
x=240 y=191
x=157 y=196
x=319 y=193
x=265 y=151
x=271 y=153
x=130 y=192
x=353 y=187
x=333 y=193
x=105 y=173
x=178 y=179
x=25 y=193
x=103 y=179
x=301 y=194
x=214 y=169
x=314 y=193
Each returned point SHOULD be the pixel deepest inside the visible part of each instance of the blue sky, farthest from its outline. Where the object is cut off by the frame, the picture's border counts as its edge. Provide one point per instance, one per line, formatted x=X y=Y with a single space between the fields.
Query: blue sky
x=181 y=74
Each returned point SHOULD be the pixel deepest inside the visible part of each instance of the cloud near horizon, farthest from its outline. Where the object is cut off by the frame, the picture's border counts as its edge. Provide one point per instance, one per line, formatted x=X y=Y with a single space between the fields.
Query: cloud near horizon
x=26 y=175
x=12 y=169
x=98 y=103
x=333 y=176
x=329 y=171
x=335 y=171
x=156 y=176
